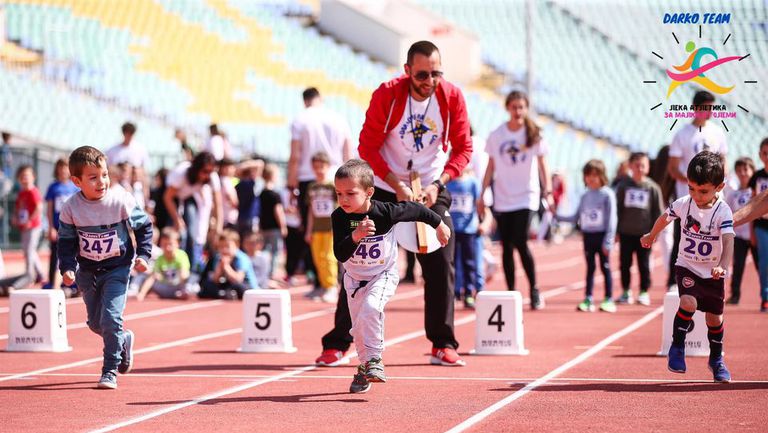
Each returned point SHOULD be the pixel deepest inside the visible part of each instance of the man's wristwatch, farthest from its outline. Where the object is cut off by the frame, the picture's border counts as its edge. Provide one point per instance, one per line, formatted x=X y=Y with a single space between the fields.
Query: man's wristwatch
x=439 y=184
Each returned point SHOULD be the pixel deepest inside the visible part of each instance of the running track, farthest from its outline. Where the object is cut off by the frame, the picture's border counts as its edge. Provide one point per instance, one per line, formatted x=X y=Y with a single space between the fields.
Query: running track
x=586 y=371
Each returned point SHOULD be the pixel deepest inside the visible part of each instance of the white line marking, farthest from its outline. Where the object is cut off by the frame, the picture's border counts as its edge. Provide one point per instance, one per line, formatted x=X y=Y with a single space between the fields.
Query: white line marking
x=556 y=372
x=145 y=314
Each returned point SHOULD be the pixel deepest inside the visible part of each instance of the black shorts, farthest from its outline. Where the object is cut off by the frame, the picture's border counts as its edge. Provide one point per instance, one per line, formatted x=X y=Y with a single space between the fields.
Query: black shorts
x=709 y=293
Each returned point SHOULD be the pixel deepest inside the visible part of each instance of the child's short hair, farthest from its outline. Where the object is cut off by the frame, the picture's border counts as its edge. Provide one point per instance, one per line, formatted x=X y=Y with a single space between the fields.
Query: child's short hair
x=60 y=163
x=229 y=236
x=169 y=233
x=269 y=173
x=634 y=156
x=22 y=168
x=128 y=128
x=85 y=155
x=764 y=143
x=706 y=167
x=595 y=166
x=321 y=156
x=226 y=162
x=745 y=161
x=358 y=170
x=253 y=236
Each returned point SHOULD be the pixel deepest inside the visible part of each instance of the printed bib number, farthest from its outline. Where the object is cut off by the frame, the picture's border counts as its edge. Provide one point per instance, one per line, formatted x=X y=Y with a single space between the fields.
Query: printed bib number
x=99 y=246
x=322 y=207
x=370 y=252
x=637 y=198
x=762 y=184
x=593 y=219
x=462 y=203
x=699 y=250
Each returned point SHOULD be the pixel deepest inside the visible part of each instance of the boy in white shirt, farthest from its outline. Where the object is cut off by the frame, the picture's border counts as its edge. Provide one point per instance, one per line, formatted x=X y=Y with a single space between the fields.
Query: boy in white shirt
x=706 y=249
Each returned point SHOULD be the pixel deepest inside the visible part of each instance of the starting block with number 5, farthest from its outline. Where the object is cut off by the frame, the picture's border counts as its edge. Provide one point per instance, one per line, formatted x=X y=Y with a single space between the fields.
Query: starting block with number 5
x=499 y=326
x=696 y=342
x=267 y=321
x=38 y=321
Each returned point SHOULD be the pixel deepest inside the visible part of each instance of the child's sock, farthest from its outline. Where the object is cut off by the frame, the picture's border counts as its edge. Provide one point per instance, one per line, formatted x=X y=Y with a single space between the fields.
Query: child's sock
x=715 y=336
x=680 y=327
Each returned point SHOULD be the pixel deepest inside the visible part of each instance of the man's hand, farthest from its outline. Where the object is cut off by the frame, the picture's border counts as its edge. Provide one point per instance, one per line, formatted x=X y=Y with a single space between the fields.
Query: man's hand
x=429 y=195
x=646 y=241
x=179 y=225
x=53 y=234
x=140 y=265
x=718 y=272
x=443 y=234
x=366 y=228
x=68 y=278
x=404 y=193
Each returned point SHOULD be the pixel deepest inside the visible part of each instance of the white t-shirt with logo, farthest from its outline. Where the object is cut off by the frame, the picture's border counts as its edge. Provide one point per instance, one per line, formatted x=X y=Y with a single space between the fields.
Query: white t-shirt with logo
x=702 y=230
x=689 y=141
x=202 y=193
x=516 y=183
x=319 y=129
x=418 y=136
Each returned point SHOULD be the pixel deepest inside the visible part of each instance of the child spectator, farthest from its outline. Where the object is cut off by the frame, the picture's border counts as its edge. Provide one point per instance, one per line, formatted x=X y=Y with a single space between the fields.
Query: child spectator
x=295 y=246
x=742 y=243
x=229 y=203
x=321 y=196
x=253 y=246
x=639 y=204
x=248 y=190
x=171 y=270
x=596 y=215
x=706 y=249
x=95 y=248
x=759 y=183
x=27 y=217
x=465 y=191
x=363 y=240
x=58 y=192
x=156 y=203
x=272 y=217
x=229 y=273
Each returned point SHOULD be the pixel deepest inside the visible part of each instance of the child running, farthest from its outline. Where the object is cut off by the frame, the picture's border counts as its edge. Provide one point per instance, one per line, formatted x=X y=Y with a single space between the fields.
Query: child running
x=706 y=249
x=363 y=240
x=95 y=249
x=597 y=217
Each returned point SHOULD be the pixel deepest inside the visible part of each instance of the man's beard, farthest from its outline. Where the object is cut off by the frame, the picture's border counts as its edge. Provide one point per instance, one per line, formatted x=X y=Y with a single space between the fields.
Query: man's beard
x=421 y=92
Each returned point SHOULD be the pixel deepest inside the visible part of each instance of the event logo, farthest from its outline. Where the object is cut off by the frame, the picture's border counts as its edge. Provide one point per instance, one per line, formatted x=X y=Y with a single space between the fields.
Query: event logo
x=693 y=70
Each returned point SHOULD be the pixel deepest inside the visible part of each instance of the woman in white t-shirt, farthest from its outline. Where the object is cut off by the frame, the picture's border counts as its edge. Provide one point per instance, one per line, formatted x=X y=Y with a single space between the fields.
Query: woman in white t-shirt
x=197 y=188
x=517 y=169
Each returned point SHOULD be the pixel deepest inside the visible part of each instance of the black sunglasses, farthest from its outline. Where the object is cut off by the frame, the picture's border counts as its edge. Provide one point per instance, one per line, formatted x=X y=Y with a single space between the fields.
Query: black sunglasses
x=423 y=75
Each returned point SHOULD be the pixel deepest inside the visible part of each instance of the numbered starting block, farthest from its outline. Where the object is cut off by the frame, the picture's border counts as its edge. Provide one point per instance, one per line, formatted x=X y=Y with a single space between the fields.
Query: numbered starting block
x=499 y=327
x=38 y=321
x=267 y=321
x=696 y=342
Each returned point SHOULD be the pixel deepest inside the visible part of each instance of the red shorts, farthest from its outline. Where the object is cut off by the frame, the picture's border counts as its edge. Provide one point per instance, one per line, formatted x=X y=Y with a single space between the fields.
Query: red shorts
x=709 y=293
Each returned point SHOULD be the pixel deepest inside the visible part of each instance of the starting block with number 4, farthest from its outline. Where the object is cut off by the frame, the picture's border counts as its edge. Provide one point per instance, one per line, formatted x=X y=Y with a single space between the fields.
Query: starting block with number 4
x=267 y=321
x=696 y=342
x=499 y=326
x=38 y=321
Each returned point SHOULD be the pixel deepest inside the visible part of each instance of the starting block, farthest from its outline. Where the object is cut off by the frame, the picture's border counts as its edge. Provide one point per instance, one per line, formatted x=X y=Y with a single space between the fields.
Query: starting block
x=267 y=321
x=499 y=326
x=38 y=321
x=696 y=342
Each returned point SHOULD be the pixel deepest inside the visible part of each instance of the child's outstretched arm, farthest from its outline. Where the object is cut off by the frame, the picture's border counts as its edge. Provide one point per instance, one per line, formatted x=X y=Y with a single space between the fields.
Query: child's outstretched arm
x=649 y=238
x=725 y=258
x=413 y=211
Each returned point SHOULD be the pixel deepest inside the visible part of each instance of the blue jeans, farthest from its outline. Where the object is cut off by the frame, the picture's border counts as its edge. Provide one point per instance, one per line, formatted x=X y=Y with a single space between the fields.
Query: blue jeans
x=466 y=263
x=104 y=295
x=762 y=257
x=273 y=243
x=479 y=267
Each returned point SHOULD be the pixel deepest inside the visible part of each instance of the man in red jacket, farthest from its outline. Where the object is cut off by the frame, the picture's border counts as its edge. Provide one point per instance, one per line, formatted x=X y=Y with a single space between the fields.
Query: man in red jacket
x=417 y=122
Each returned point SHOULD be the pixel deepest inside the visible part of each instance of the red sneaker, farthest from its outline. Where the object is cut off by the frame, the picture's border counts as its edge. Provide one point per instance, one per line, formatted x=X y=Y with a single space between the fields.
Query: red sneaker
x=332 y=358
x=446 y=356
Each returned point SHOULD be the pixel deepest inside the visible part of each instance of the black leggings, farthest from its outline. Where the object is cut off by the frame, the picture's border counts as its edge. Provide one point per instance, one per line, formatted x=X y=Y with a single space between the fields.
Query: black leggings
x=513 y=229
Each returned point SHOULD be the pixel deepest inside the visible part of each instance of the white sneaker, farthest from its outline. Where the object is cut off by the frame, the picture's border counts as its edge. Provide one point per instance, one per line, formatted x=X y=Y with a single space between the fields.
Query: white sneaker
x=644 y=299
x=331 y=296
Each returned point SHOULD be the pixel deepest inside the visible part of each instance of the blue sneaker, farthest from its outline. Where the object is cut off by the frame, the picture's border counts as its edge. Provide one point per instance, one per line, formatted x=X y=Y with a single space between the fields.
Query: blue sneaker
x=108 y=380
x=676 y=359
x=126 y=363
x=719 y=370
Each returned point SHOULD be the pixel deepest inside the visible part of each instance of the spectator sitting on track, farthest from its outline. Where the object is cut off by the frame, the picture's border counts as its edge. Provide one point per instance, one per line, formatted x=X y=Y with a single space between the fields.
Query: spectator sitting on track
x=705 y=252
x=253 y=246
x=171 y=270
x=229 y=273
x=596 y=215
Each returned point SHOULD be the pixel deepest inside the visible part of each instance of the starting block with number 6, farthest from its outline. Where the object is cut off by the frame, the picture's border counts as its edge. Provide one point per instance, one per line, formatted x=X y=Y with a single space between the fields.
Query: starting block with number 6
x=38 y=321
x=499 y=326
x=267 y=321
x=696 y=342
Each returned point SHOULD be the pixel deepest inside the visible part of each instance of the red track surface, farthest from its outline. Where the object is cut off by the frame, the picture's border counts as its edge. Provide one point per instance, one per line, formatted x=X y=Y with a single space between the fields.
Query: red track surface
x=199 y=383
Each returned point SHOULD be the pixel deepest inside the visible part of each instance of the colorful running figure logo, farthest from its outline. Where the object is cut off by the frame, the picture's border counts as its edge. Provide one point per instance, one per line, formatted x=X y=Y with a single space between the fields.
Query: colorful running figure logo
x=692 y=70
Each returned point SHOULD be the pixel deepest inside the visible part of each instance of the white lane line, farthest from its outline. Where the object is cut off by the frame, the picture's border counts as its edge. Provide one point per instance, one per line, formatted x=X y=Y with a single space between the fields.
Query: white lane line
x=145 y=314
x=512 y=380
x=556 y=372
x=190 y=340
x=4 y=310
x=249 y=385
